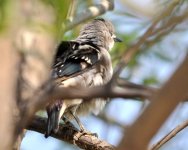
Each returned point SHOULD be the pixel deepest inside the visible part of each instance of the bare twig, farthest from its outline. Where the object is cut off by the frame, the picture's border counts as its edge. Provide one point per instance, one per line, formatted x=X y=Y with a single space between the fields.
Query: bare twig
x=131 y=51
x=72 y=9
x=71 y=135
x=109 y=120
x=162 y=104
x=169 y=136
x=90 y=13
x=127 y=84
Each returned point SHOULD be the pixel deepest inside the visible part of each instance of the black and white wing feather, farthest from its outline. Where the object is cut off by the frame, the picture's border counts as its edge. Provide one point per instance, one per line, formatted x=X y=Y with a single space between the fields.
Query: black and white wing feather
x=73 y=58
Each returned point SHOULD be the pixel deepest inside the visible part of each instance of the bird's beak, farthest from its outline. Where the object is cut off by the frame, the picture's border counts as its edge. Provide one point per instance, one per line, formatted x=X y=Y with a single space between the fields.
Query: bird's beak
x=117 y=39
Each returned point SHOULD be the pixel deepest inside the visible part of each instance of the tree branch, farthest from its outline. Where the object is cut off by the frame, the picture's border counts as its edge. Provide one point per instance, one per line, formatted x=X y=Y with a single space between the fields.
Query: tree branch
x=151 y=31
x=49 y=93
x=109 y=120
x=161 y=106
x=72 y=10
x=71 y=135
x=90 y=13
x=8 y=93
x=169 y=136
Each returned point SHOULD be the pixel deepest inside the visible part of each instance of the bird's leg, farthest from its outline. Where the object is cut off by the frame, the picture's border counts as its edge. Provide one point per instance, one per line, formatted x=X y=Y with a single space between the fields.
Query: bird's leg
x=67 y=122
x=82 y=128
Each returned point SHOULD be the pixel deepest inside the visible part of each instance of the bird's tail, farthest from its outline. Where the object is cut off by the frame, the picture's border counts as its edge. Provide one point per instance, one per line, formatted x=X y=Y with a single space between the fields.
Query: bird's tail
x=53 y=112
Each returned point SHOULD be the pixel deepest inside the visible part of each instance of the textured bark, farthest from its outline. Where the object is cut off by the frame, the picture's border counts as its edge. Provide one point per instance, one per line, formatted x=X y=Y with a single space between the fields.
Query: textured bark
x=71 y=135
x=9 y=110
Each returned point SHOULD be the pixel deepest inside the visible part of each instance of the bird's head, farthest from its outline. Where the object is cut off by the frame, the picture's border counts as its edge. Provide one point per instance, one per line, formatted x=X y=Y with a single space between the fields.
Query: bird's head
x=100 y=32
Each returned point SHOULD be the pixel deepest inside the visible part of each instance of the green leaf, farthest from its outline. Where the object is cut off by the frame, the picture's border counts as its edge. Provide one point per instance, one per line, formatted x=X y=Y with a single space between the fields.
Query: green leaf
x=150 y=80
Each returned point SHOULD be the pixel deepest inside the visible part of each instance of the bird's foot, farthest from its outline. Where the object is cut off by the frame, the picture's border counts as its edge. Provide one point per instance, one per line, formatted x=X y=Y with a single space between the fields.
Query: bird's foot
x=86 y=132
x=83 y=133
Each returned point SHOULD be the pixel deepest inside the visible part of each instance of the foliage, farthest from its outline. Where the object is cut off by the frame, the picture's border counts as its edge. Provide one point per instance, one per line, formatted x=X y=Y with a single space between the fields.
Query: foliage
x=3 y=14
x=61 y=9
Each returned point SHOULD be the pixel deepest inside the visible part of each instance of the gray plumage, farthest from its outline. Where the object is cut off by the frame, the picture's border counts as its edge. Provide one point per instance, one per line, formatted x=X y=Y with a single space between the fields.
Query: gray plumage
x=100 y=32
x=83 y=62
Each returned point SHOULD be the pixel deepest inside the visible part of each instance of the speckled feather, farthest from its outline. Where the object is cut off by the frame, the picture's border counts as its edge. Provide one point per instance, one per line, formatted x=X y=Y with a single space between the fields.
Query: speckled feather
x=85 y=62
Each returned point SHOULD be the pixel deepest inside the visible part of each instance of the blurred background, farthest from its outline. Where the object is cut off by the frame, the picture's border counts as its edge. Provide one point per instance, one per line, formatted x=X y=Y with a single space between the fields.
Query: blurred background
x=151 y=67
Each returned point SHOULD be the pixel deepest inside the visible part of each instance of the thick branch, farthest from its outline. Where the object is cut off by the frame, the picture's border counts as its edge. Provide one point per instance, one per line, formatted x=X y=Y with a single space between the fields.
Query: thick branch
x=50 y=93
x=71 y=135
x=101 y=91
x=161 y=106
x=8 y=95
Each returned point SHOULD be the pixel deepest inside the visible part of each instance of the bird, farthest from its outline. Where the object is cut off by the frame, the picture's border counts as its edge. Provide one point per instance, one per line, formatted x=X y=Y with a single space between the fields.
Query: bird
x=82 y=62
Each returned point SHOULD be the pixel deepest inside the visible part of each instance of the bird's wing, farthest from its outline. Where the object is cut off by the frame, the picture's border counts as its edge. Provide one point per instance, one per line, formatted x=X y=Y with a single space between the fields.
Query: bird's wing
x=73 y=58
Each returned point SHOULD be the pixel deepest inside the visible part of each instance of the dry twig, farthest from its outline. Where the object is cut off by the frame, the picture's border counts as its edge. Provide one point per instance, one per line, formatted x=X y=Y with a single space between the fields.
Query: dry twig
x=169 y=136
x=110 y=121
x=151 y=31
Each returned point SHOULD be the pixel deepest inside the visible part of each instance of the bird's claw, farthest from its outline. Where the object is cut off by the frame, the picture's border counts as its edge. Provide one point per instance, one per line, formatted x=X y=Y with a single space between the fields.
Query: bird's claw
x=86 y=132
x=83 y=133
